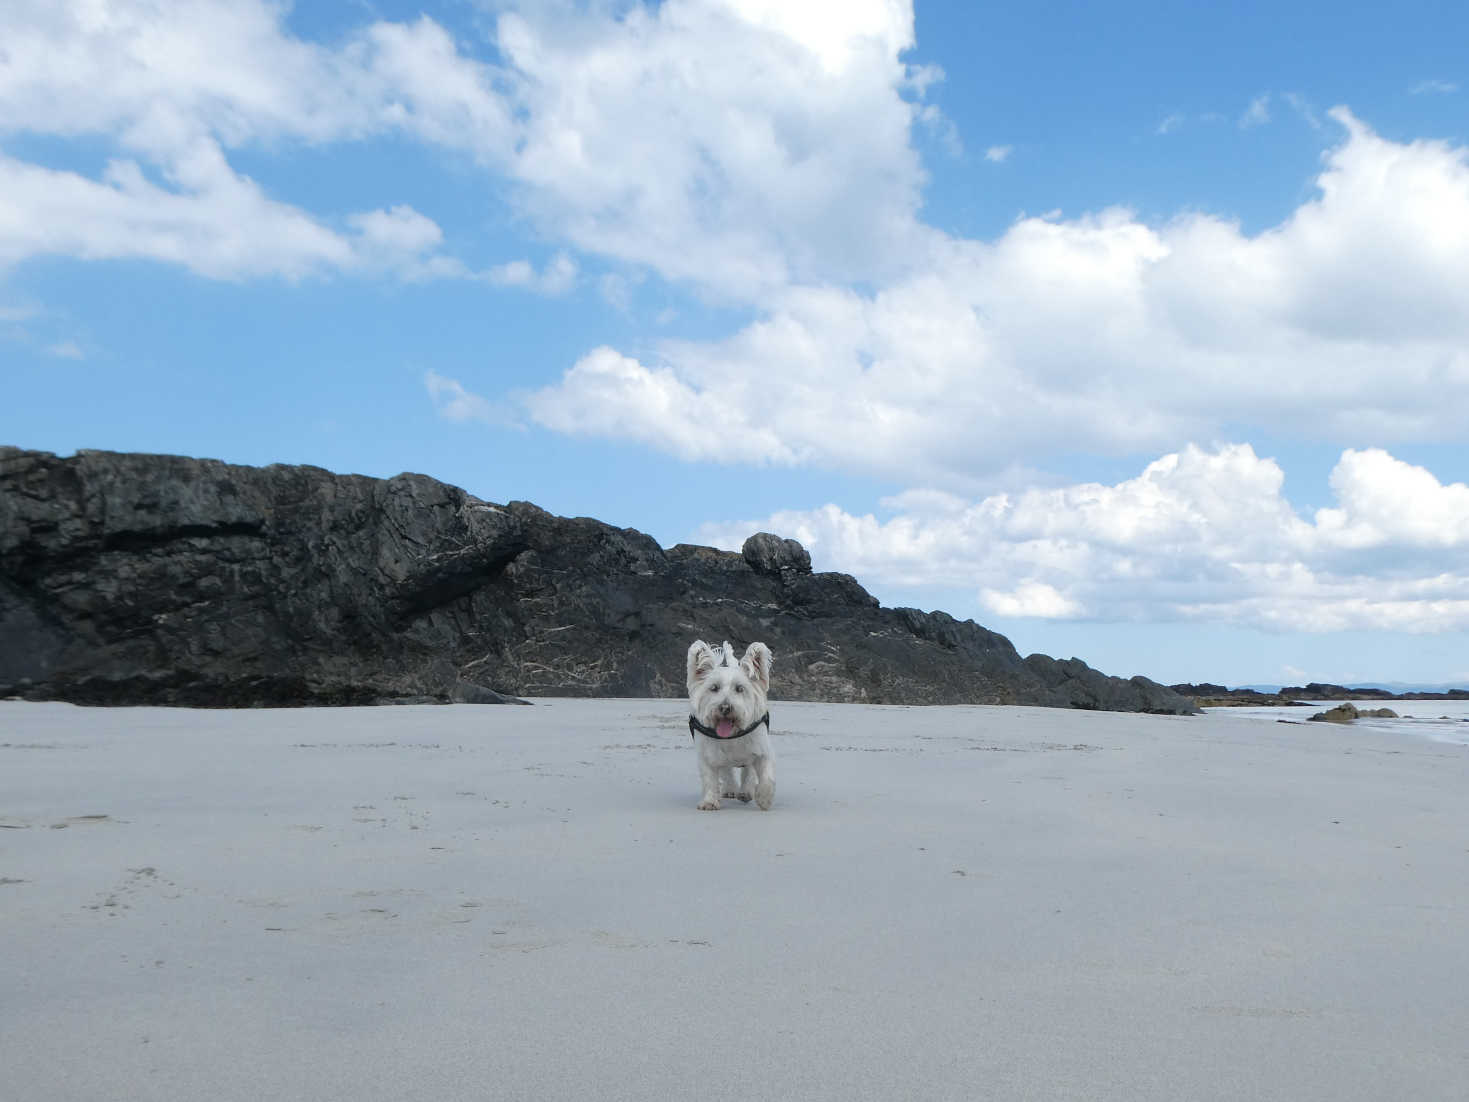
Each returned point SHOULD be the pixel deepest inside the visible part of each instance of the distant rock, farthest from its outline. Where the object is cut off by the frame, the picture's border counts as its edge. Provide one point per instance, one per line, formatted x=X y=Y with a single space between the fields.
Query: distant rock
x=1207 y=695
x=148 y=579
x=1347 y=712
x=1316 y=690
x=1342 y=713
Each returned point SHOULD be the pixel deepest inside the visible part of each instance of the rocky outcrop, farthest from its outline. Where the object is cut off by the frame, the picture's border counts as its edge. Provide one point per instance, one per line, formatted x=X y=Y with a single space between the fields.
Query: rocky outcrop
x=130 y=579
x=1207 y=695
x=1347 y=712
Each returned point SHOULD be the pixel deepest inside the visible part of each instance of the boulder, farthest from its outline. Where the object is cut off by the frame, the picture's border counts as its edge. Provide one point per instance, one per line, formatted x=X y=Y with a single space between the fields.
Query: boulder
x=776 y=557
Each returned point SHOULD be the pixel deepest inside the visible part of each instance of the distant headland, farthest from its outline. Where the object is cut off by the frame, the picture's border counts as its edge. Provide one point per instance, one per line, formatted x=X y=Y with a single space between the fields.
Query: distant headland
x=1218 y=696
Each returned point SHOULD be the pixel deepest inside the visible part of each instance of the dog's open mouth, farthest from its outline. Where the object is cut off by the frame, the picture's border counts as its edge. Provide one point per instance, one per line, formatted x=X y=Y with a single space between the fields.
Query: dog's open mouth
x=724 y=728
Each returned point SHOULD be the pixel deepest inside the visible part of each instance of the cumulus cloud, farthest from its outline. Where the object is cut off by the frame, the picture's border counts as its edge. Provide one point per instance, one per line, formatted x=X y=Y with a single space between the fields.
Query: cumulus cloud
x=725 y=144
x=158 y=77
x=608 y=393
x=176 y=88
x=1349 y=318
x=1031 y=599
x=1386 y=503
x=1199 y=535
x=729 y=146
x=998 y=154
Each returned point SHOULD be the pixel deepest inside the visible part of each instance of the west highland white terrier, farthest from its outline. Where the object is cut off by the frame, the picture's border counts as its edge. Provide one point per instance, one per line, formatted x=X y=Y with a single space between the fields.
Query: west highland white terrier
x=731 y=724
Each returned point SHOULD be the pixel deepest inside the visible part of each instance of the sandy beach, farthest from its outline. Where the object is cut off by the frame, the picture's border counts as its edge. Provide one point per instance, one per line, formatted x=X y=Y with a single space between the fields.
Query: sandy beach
x=522 y=903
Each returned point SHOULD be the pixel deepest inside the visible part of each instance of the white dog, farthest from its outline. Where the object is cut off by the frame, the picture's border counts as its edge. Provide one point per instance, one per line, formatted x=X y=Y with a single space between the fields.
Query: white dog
x=729 y=721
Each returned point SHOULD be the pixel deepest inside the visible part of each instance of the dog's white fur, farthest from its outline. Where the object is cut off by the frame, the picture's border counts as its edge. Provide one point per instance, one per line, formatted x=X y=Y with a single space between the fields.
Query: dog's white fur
x=735 y=692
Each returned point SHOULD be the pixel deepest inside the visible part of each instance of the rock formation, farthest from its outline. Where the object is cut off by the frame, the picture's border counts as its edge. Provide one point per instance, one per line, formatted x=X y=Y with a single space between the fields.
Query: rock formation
x=133 y=579
x=1342 y=713
x=1207 y=695
x=1346 y=712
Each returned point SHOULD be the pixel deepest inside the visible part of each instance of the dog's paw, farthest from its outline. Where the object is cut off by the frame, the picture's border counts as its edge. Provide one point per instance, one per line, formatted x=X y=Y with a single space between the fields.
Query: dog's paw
x=764 y=796
x=743 y=797
x=709 y=805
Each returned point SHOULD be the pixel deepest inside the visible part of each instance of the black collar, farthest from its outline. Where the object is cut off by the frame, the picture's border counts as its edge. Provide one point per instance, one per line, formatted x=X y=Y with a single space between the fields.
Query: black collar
x=695 y=725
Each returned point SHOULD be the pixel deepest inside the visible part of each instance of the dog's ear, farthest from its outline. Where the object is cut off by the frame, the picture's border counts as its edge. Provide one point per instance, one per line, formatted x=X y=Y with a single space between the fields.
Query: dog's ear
x=756 y=664
x=701 y=662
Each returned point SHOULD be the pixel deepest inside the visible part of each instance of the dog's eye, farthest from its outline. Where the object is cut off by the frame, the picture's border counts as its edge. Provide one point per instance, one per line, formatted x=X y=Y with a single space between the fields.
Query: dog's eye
x=739 y=688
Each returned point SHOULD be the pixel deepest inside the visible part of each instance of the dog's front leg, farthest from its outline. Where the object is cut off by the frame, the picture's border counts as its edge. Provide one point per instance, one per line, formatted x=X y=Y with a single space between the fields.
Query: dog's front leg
x=709 y=782
x=747 y=784
x=764 y=781
x=727 y=784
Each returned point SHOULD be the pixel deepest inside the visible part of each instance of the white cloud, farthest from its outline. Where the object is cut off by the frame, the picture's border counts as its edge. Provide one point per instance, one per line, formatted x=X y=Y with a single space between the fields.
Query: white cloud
x=399 y=231
x=1257 y=113
x=1030 y=599
x=1385 y=502
x=160 y=76
x=1347 y=320
x=216 y=223
x=726 y=144
x=226 y=230
x=941 y=127
x=1199 y=535
x=778 y=128
x=178 y=86
x=1436 y=87
x=608 y=393
x=1170 y=123
x=558 y=276
x=998 y=154
x=838 y=32
x=454 y=403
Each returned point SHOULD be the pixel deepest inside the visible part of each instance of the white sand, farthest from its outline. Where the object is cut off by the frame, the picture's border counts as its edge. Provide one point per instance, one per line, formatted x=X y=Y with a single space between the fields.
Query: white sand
x=522 y=903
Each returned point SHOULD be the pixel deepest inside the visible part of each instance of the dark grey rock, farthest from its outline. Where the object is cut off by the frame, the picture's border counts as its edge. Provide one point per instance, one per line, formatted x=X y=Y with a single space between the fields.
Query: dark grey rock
x=132 y=579
x=780 y=558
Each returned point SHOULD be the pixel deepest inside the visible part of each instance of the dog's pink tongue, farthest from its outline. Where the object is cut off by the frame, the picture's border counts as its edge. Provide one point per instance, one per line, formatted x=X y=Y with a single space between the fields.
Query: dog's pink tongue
x=724 y=728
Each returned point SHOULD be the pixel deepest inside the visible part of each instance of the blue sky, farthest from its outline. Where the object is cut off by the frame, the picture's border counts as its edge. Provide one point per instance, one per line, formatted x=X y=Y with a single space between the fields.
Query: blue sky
x=1136 y=331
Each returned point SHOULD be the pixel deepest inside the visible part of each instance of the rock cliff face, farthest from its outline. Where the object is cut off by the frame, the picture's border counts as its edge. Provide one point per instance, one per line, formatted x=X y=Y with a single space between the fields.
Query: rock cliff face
x=133 y=579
